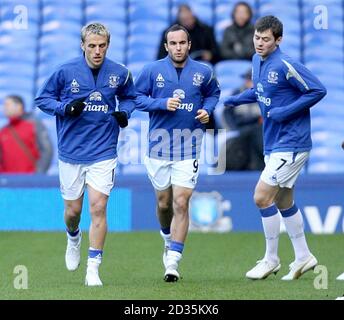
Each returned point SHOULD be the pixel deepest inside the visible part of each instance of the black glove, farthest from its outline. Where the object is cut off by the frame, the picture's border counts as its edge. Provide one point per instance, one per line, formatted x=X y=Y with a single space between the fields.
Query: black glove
x=75 y=108
x=121 y=117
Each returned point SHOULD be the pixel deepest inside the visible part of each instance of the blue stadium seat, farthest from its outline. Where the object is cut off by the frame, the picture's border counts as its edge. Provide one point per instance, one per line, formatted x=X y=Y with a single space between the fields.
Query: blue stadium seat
x=325 y=166
x=328 y=156
x=108 y=10
x=142 y=10
x=21 y=69
x=232 y=67
x=323 y=38
x=135 y=67
x=290 y=15
x=141 y=54
x=325 y=67
x=144 y=40
x=229 y=73
x=54 y=10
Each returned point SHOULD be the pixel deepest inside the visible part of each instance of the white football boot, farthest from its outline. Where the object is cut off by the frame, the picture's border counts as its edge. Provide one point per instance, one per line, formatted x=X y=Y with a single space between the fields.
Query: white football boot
x=92 y=276
x=263 y=269
x=340 y=277
x=298 y=268
x=72 y=256
x=171 y=272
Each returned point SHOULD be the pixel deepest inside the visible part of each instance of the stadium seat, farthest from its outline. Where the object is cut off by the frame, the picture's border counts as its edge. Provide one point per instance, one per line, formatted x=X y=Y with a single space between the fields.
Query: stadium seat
x=136 y=67
x=107 y=10
x=144 y=37
x=229 y=73
x=142 y=10
x=232 y=67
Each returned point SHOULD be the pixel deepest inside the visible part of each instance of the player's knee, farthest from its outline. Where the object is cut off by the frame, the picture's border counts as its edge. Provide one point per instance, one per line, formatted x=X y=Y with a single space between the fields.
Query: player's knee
x=73 y=211
x=164 y=206
x=181 y=204
x=97 y=209
x=261 y=200
x=164 y=203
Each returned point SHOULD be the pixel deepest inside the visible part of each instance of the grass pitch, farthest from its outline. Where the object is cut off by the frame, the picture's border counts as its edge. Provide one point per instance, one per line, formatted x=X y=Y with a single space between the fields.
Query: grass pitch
x=213 y=267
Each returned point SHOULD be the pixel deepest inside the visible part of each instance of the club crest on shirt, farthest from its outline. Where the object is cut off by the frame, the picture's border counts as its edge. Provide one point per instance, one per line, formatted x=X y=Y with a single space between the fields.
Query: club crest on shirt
x=198 y=79
x=273 y=77
x=113 y=81
x=75 y=87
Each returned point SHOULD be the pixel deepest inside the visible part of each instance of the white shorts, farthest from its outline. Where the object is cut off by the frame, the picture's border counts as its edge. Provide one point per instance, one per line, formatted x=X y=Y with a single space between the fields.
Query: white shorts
x=164 y=173
x=283 y=168
x=74 y=177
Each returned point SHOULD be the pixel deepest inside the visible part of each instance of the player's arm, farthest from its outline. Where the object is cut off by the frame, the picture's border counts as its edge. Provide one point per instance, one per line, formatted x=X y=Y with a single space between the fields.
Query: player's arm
x=48 y=96
x=245 y=97
x=127 y=95
x=211 y=94
x=303 y=80
x=144 y=101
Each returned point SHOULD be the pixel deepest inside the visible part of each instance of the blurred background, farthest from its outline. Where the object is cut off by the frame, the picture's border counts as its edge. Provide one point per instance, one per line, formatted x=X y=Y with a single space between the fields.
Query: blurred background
x=38 y=35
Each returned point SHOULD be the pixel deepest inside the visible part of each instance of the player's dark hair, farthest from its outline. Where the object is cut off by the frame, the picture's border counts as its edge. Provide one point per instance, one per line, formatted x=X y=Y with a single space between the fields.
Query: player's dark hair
x=270 y=22
x=16 y=99
x=177 y=27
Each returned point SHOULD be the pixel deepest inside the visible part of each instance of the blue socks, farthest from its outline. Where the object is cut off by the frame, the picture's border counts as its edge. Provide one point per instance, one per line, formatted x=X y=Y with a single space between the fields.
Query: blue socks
x=177 y=246
x=166 y=230
x=269 y=211
x=95 y=253
x=74 y=233
x=289 y=212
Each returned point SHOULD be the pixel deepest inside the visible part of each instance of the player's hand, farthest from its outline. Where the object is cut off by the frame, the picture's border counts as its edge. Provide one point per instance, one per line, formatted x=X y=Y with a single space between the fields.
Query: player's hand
x=121 y=117
x=202 y=116
x=75 y=108
x=173 y=103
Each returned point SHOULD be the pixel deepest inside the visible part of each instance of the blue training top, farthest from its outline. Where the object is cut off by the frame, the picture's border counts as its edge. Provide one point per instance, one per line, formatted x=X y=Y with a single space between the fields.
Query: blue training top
x=176 y=135
x=285 y=91
x=93 y=136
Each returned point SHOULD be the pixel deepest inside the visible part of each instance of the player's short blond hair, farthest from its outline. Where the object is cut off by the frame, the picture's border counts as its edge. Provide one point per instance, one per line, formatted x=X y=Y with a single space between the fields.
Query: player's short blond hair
x=95 y=28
